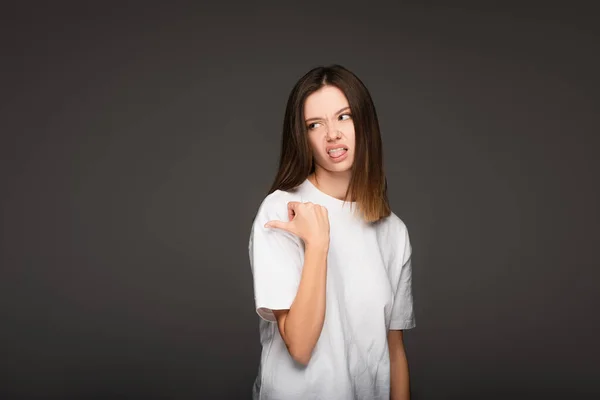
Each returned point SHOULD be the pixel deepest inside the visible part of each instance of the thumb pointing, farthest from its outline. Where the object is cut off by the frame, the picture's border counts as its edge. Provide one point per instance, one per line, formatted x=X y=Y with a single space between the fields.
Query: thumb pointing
x=272 y=224
x=277 y=224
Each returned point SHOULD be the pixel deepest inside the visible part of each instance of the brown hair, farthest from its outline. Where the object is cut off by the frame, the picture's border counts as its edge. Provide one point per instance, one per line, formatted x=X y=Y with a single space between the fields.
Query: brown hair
x=368 y=184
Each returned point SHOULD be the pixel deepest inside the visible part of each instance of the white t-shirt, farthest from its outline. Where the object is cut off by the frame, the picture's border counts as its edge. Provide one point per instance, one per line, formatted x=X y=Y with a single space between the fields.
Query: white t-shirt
x=368 y=292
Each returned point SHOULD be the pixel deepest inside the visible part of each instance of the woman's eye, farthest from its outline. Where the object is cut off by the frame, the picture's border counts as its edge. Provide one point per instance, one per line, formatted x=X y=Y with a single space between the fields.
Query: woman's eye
x=312 y=126
x=346 y=115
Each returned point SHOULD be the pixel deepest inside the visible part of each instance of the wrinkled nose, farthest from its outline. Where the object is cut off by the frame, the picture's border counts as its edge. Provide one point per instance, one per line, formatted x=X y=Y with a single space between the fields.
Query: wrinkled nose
x=333 y=133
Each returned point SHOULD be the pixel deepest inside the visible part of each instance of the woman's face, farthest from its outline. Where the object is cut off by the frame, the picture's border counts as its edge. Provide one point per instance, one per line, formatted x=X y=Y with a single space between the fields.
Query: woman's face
x=330 y=129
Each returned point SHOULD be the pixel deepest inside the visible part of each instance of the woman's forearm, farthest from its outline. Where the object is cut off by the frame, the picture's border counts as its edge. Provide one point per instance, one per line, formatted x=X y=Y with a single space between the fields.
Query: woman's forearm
x=399 y=376
x=303 y=323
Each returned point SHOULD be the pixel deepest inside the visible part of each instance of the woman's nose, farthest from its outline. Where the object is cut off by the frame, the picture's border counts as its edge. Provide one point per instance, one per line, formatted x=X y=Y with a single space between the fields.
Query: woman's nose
x=332 y=132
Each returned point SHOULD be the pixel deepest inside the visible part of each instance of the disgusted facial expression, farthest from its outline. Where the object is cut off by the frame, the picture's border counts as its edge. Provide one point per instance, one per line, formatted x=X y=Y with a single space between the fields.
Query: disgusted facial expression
x=330 y=129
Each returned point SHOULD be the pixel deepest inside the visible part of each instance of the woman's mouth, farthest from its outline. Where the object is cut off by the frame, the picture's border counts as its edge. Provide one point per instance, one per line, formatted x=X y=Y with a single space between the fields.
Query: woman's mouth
x=338 y=154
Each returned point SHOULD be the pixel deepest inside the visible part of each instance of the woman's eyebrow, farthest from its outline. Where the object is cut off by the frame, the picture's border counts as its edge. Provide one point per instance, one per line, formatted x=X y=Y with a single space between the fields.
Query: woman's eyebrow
x=338 y=112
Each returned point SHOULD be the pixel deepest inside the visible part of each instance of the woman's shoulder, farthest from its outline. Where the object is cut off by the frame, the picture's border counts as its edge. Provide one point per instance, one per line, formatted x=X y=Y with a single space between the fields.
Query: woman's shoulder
x=392 y=225
x=393 y=236
x=275 y=204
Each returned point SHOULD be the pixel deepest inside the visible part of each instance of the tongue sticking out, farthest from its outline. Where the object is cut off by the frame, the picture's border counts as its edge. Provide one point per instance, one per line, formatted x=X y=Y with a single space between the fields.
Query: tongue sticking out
x=337 y=153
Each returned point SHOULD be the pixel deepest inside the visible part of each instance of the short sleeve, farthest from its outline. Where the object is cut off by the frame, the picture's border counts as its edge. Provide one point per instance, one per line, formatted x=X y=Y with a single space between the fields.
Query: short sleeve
x=402 y=310
x=276 y=259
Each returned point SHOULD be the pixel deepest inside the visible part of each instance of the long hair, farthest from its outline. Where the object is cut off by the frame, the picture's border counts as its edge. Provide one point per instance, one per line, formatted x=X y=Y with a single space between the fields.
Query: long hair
x=368 y=184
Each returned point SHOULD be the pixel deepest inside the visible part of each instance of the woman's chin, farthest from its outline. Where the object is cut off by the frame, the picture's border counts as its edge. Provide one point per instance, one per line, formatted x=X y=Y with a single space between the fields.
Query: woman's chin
x=337 y=168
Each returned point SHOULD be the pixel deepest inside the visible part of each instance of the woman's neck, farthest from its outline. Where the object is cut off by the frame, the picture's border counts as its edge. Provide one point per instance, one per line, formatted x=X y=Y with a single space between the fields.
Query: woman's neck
x=334 y=184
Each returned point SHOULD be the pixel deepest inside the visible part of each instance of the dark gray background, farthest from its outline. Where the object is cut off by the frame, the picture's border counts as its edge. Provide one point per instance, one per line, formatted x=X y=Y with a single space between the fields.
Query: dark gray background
x=138 y=141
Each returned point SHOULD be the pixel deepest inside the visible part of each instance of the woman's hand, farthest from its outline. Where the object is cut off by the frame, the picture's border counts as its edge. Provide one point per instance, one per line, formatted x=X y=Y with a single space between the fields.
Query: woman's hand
x=308 y=221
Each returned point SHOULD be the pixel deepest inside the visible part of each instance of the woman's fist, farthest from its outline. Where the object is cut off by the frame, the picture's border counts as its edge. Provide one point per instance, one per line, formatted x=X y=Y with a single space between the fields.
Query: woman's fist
x=308 y=221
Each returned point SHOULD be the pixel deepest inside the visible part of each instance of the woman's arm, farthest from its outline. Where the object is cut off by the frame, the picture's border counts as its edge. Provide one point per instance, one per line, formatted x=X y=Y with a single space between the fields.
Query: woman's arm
x=399 y=377
x=301 y=325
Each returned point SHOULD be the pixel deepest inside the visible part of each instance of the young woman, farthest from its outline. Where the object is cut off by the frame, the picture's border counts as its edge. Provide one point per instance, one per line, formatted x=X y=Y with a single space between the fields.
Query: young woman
x=331 y=262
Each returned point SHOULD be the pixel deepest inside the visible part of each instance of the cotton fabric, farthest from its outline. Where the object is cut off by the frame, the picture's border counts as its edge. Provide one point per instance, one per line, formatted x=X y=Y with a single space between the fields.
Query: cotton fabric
x=368 y=292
